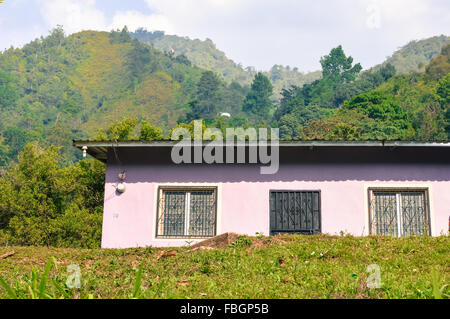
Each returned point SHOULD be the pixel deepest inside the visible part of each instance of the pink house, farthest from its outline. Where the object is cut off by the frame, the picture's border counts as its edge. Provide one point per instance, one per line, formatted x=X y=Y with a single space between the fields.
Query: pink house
x=361 y=188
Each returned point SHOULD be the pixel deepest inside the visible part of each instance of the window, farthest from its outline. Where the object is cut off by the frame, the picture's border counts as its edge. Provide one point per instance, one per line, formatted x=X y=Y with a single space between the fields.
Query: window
x=295 y=212
x=186 y=212
x=399 y=212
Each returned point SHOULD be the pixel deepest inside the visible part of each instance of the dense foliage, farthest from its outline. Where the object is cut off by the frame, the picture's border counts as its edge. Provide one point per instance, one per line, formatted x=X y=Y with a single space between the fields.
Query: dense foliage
x=58 y=88
x=414 y=56
x=375 y=105
x=43 y=203
x=257 y=101
x=205 y=55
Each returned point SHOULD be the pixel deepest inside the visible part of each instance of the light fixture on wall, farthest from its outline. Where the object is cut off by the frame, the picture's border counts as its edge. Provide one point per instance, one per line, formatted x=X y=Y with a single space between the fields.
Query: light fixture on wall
x=121 y=186
x=84 y=148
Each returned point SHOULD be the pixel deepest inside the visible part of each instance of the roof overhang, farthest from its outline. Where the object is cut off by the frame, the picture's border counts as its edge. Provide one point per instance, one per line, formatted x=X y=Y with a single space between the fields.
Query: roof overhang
x=99 y=149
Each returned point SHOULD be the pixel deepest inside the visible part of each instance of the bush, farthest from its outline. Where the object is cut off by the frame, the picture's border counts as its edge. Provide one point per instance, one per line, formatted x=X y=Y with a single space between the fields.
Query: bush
x=42 y=203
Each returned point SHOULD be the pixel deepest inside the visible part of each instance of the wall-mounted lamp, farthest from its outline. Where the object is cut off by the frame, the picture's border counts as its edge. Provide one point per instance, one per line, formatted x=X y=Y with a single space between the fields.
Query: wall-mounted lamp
x=84 y=148
x=121 y=186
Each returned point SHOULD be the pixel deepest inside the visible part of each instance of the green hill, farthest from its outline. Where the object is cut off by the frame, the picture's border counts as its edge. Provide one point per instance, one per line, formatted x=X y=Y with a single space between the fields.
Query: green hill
x=205 y=55
x=413 y=106
x=410 y=58
x=201 y=53
x=414 y=56
x=58 y=88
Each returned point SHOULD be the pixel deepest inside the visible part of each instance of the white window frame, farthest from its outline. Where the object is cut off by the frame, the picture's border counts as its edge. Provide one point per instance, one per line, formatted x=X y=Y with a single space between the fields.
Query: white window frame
x=397 y=190
x=187 y=188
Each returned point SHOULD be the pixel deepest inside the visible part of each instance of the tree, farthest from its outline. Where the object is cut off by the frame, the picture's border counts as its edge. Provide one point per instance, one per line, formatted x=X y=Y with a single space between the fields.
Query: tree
x=183 y=60
x=233 y=96
x=338 y=66
x=366 y=81
x=289 y=127
x=344 y=131
x=137 y=60
x=15 y=138
x=117 y=37
x=42 y=203
x=188 y=126
x=390 y=120
x=8 y=91
x=443 y=91
x=440 y=65
x=119 y=130
x=387 y=71
x=208 y=96
x=376 y=106
x=149 y=132
x=337 y=84
x=258 y=100
x=56 y=36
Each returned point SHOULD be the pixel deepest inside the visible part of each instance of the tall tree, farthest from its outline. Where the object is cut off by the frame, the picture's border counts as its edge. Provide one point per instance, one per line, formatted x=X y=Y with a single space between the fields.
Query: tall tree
x=338 y=66
x=440 y=66
x=8 y=91
x=208 y=95
x=258 y=100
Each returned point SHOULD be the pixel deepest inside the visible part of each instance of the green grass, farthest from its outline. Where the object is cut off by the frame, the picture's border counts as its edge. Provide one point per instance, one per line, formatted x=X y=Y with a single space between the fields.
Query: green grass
x=287 y=266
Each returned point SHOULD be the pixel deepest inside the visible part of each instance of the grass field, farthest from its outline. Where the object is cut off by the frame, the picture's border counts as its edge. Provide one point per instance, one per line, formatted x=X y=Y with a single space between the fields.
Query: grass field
x=286 y=266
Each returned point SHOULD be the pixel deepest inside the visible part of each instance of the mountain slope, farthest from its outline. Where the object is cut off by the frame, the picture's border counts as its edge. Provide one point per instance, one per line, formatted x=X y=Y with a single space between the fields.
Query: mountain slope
x=205 y=55
x=413 y=106
x=201 y=53
x=68 y=87
x=58 y=88
x=414 y=56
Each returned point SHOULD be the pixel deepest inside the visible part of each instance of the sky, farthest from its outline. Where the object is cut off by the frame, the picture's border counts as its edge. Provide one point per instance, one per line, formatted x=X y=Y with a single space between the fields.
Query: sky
x=257 y=33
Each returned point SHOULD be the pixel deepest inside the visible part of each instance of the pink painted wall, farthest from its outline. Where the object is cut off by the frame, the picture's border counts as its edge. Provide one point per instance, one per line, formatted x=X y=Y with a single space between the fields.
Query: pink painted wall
x=244 y=195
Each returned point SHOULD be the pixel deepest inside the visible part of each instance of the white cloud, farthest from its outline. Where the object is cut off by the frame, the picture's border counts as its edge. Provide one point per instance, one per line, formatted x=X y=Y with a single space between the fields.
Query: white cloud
x=263 y=32
x=134 y=20
x=74 y=15
x=267 y=32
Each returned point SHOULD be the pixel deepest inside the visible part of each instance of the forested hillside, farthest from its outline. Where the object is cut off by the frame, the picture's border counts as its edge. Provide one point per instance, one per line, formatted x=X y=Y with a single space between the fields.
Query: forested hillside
x=414 y=56
x=58 y=88
x=205 y=55
x=412 y=106
x=346 y=104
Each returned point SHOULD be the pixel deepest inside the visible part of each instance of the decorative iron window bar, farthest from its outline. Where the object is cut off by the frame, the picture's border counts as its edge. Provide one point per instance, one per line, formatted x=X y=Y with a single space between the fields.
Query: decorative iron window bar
x=293 y=211
x=399 y=212
x=186 y=212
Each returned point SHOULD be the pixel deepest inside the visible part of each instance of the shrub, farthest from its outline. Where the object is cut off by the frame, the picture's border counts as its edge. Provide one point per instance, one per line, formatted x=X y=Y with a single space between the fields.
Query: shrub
x=42 y=203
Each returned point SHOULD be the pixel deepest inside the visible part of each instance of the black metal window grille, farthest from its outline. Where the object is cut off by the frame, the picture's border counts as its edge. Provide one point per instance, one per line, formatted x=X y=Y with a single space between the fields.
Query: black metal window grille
x=186 y=213
x=399 y=212
x=295 y=212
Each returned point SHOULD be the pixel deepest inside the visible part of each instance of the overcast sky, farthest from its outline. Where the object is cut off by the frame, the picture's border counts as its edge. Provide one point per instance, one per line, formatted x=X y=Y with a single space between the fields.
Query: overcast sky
x=257 y=33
